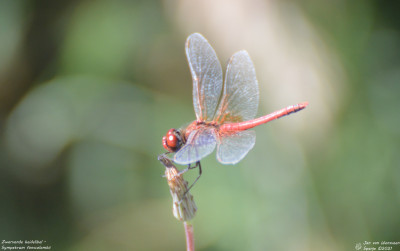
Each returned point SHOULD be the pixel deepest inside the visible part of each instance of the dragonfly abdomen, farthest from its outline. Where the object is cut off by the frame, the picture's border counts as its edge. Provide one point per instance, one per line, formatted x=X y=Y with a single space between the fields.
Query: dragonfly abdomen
x=241 y=126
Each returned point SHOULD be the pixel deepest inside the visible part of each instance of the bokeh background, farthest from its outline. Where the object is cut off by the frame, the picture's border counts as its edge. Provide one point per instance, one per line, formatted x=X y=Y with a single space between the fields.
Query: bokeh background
x=88 y=89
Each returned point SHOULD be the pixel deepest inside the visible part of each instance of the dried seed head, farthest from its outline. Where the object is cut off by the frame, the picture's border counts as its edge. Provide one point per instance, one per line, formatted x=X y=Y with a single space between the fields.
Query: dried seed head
x=183 y=207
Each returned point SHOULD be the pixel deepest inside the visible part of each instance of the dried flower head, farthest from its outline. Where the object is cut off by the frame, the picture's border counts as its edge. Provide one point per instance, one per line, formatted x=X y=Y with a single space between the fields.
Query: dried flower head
x=183 y=207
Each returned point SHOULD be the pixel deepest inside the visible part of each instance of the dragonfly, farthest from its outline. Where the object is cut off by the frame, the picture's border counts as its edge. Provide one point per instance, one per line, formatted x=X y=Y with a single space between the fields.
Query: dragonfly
x=225 y=108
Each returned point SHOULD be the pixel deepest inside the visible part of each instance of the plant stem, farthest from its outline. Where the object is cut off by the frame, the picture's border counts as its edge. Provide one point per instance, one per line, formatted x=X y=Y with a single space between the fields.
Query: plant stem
x=189 y=236
x=183 y=205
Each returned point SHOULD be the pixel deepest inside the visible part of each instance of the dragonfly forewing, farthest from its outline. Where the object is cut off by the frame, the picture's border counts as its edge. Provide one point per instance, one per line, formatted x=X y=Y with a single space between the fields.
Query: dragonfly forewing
x=206 y=75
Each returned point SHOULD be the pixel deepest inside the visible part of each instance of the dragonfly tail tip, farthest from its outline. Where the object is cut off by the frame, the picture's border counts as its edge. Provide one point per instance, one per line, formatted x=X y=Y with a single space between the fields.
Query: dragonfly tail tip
x=303 y=105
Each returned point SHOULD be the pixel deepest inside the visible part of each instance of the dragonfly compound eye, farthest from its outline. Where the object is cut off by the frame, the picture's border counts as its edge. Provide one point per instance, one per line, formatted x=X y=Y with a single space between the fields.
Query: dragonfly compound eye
x=172 y=141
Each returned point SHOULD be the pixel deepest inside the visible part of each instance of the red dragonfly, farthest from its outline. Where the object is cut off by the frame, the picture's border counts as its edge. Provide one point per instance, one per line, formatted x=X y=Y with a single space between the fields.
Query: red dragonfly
x=225 y=110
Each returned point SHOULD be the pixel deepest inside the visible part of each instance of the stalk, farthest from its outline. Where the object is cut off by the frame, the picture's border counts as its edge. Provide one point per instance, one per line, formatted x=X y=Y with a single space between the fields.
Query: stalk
x=183 y=205
x=189 y=236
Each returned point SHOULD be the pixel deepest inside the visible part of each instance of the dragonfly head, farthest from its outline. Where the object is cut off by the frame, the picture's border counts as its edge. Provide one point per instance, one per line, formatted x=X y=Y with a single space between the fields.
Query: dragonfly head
x=172 y=142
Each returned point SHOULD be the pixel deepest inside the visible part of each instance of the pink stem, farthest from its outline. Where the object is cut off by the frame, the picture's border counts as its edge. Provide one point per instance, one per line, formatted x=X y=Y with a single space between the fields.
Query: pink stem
x=189 y=236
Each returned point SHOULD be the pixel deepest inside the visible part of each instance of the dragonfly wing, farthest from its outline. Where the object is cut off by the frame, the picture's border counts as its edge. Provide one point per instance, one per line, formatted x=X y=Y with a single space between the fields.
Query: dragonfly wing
x=240 y=95
x=206 y=74
x=233 y=147
x=199 y=144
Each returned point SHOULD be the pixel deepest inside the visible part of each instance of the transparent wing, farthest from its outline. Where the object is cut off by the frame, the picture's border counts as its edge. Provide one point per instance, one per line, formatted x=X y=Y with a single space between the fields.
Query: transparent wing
x=233 y=147
x=240 y=95
x=206 y=74
x=199 y=144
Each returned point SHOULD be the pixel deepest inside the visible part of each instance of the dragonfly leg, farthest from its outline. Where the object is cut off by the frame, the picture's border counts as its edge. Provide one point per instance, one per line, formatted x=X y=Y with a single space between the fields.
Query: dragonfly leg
x=188 y=168
x=198 y=164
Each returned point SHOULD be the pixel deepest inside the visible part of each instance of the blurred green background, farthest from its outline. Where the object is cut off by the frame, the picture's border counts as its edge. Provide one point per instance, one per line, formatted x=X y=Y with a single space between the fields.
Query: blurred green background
x=88 y=89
